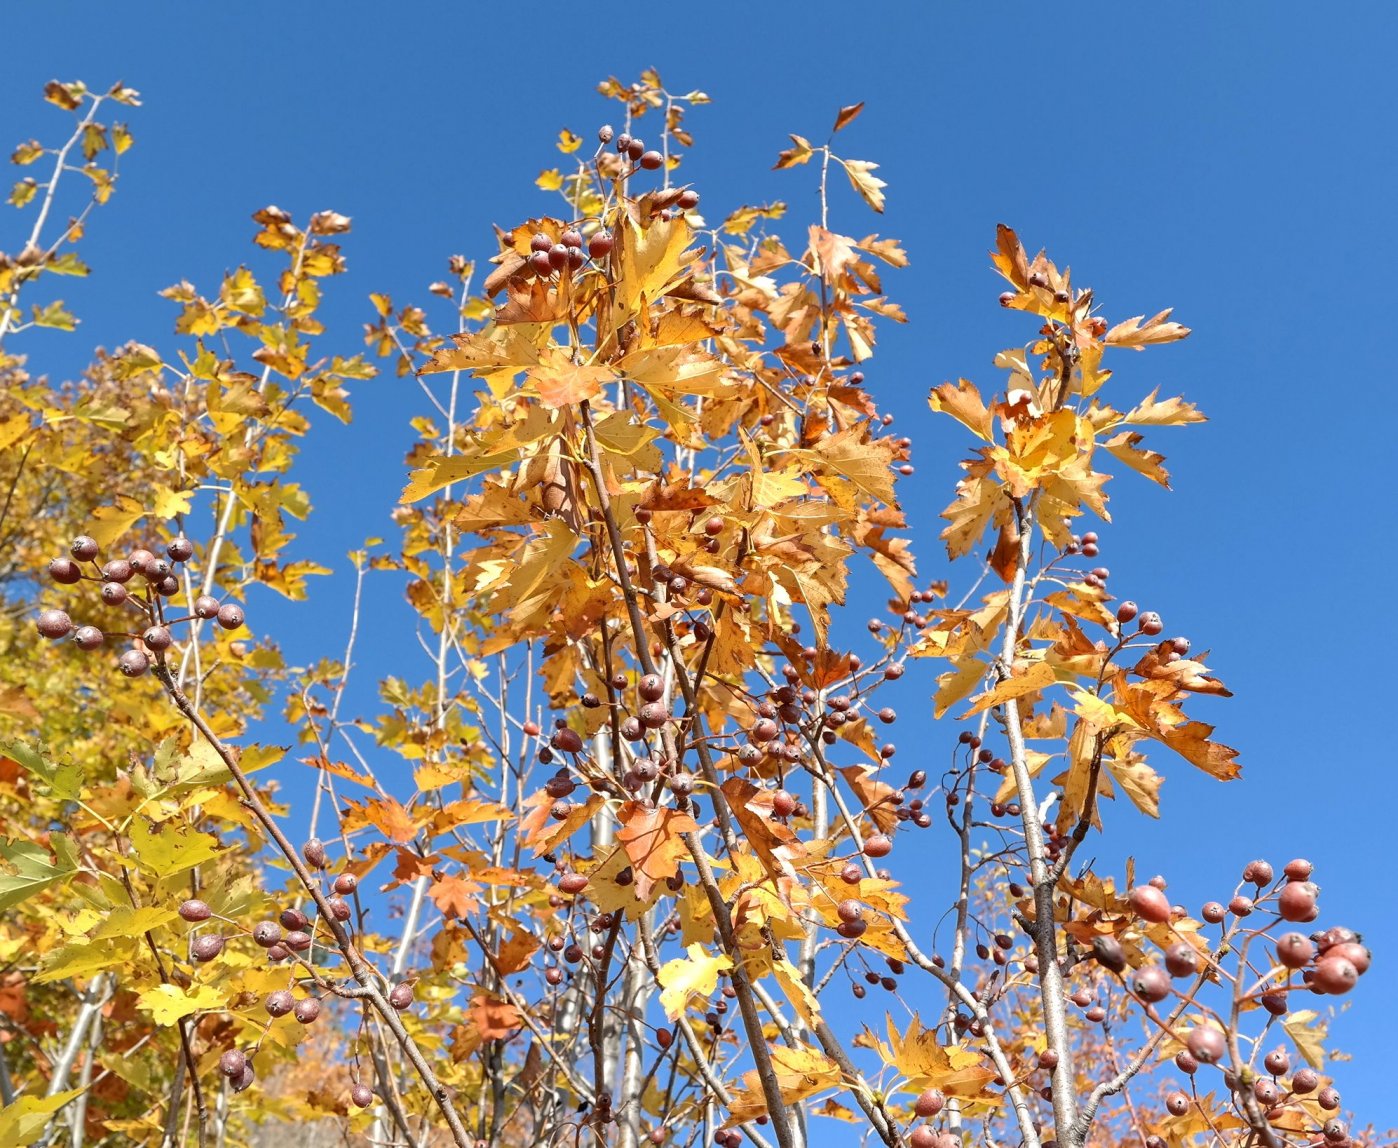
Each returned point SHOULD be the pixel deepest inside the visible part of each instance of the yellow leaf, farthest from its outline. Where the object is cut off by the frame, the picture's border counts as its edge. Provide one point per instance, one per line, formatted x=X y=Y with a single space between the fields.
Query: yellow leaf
x=1125 y=446
x=82 y=960
x=1170 y=413
x=964 y=403
x=797 y=991
x=568 y=142
x=24 y=1121
x=550 y=180
x=168 y=1003
x=440 y=471
x=801 y=1072
x=684 y=976
x=1307 y=1032
x=862 y=179
x=1037 y=677
x=852 y=454
x=129 y=922
x=170 y=848
x=799 y=152
x=927 y=1063
x=108 y=523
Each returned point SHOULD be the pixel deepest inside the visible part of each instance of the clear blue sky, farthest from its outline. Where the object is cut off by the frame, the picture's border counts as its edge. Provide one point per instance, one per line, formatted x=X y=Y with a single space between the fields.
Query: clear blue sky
x=1235 y=161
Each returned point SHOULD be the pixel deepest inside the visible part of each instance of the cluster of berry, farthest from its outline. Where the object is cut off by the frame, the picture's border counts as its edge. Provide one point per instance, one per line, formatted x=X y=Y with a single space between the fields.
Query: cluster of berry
x=159 y=581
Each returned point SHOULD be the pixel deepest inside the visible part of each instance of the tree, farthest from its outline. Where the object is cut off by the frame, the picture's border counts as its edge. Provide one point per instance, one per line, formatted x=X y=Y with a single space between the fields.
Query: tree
x=607 y=869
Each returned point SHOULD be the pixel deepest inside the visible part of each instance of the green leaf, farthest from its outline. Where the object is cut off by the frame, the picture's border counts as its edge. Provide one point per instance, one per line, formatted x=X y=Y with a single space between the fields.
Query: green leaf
x=55 y=315
x=64 y=781
x=33 y=872
x=23 y=192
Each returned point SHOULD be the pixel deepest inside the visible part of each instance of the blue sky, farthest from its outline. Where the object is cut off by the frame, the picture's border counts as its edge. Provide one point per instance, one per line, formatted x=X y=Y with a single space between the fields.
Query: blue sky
x=1235 y=162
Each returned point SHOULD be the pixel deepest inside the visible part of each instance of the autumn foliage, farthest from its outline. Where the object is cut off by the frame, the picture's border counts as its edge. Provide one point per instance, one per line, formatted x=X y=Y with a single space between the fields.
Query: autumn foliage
x=627 y=855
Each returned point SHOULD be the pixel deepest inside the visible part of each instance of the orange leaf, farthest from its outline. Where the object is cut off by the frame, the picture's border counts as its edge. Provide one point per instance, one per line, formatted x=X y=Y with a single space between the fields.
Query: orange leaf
x=496 y=1019
x=454 y=895
x=651 y=838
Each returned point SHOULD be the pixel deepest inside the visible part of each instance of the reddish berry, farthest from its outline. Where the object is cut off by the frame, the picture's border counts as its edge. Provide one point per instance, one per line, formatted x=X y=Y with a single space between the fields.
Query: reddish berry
x=1298 y=869
x=54 y=624
x=266 y=933
x=1150 y=904
x=65 y=571
x=1294 y=950
x=133 y=663
x=230 y=617
x=205 y=606
x=1334 y=975
x=1206 y=1044
x=232 y=1063
x=362 y=1095
x=567 y=739
x=307 y=1010
x=651 y=160
x=1297 y=901
x=1151 y=983
x=280 y=1002
x=84 y=548
x=401 y=996
x=195 y=911
x=877 y=845
x=1181 y=960
x=207 y=947
x=88 y=638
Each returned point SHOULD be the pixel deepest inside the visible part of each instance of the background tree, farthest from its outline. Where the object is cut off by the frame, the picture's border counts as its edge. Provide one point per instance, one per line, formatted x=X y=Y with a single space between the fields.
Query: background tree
x=600 y=872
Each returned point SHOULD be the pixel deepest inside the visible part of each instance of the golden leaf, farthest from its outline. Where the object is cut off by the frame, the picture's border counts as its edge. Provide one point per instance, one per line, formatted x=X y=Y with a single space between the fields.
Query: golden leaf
x=1137 y=334
x=684 y=976
x=964 y=403
x=167 y=1004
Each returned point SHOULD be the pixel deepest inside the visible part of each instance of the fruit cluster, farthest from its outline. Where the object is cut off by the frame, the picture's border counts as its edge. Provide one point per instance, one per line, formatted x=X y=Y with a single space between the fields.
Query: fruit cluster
x=291 y=934
x=146 y=598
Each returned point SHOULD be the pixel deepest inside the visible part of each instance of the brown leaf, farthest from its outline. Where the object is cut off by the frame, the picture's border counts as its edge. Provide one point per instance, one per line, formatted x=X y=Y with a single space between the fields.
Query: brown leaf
x=847 y=115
